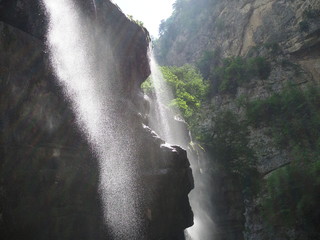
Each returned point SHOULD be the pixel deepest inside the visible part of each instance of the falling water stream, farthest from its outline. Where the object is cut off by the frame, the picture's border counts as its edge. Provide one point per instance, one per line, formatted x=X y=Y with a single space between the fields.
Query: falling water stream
x=159 y=119
x=172 y=129
x=82 y=60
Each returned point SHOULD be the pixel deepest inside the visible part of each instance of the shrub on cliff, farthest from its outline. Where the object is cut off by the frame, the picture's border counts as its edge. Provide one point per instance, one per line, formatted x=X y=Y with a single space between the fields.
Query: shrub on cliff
x=228 y=142
x=226 y=75
x=292 y=199
x=140 y=23
x=293 y=115
x=208 y=61
x=237 y=71
x=292 y=192
x=188 y=88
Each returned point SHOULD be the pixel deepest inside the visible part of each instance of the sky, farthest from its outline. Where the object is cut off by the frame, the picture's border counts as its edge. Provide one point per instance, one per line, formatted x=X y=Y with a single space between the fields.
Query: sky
x=150 y=12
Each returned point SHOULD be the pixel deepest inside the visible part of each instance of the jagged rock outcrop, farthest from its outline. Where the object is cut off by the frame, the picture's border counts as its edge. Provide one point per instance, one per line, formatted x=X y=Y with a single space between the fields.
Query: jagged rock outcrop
x=173 y=167
x=49 y=177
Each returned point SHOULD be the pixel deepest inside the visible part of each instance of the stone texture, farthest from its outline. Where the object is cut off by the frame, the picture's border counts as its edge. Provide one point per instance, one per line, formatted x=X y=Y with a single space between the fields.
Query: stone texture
x=25 y=15
x=245 y=28
x=49 y=177
x=246 y=23
x=167 y=208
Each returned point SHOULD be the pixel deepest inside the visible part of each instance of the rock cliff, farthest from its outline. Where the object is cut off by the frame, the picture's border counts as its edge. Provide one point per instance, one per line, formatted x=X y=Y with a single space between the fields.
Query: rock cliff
x=286 y=34
x=49 y=176
x=237 y=26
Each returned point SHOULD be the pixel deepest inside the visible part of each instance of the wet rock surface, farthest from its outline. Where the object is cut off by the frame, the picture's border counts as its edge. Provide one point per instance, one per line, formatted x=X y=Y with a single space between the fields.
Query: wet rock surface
x=49 y=176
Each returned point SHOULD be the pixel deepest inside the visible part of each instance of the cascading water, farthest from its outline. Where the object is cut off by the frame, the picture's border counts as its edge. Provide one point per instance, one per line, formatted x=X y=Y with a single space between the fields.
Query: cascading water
x=159 y=110
x=162 y=119
x=173 y=130
x=82 y=60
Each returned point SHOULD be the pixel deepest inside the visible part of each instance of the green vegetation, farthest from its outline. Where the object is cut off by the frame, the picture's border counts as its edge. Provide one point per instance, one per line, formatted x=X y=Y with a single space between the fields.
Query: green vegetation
x=293 y=198
x=140 y=23
x=291 y=118
x=208 y=61
x=229 y=142
x=189 y=89
x=293 y=191
x=226 y=75
x=294 y=117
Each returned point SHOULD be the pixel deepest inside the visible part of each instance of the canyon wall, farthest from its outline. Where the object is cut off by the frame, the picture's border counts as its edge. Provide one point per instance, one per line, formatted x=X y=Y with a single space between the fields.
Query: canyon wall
x=287 y=35
x=49 y=175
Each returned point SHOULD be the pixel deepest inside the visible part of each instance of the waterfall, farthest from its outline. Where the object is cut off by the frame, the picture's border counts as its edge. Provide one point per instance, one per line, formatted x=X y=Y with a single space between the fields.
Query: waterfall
x=173 y=130
x=163 y=120
x=95 y=7
x=159 y=116
x=82 y=62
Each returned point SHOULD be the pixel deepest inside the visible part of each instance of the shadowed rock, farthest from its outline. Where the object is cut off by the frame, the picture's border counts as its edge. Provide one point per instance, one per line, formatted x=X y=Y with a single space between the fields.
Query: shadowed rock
x=49 y=177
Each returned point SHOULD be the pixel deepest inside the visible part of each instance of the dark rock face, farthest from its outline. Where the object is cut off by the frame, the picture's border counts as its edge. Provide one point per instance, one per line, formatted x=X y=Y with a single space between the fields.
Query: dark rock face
x=28 y=16
x=167 y=208
x=228 y=208
x=49 y=177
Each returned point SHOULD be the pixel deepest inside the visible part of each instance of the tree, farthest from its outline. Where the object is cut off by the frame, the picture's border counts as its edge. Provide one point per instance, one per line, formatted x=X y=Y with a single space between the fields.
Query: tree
x=188 y=87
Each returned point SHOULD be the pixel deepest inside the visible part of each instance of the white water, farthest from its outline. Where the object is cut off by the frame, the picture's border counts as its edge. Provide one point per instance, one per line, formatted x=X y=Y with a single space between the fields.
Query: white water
x=81 y=57
x=161 y=120
x=162 y=117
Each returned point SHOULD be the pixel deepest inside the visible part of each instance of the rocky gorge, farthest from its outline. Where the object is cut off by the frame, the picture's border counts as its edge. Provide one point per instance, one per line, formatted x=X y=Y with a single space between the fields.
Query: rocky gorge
x=246 y=110
x=49 y=174
x=254 y=136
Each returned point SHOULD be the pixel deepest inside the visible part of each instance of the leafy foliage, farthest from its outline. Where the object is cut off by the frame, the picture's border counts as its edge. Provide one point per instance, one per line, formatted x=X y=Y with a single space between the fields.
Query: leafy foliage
x=230 y=140
x=294 y=116
x=208 y=61
x=293 y=195
x=189 y=89
x=140 y=23
x=226 y=75
x=236 y=71
x=293 y=191
x=229 y=143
